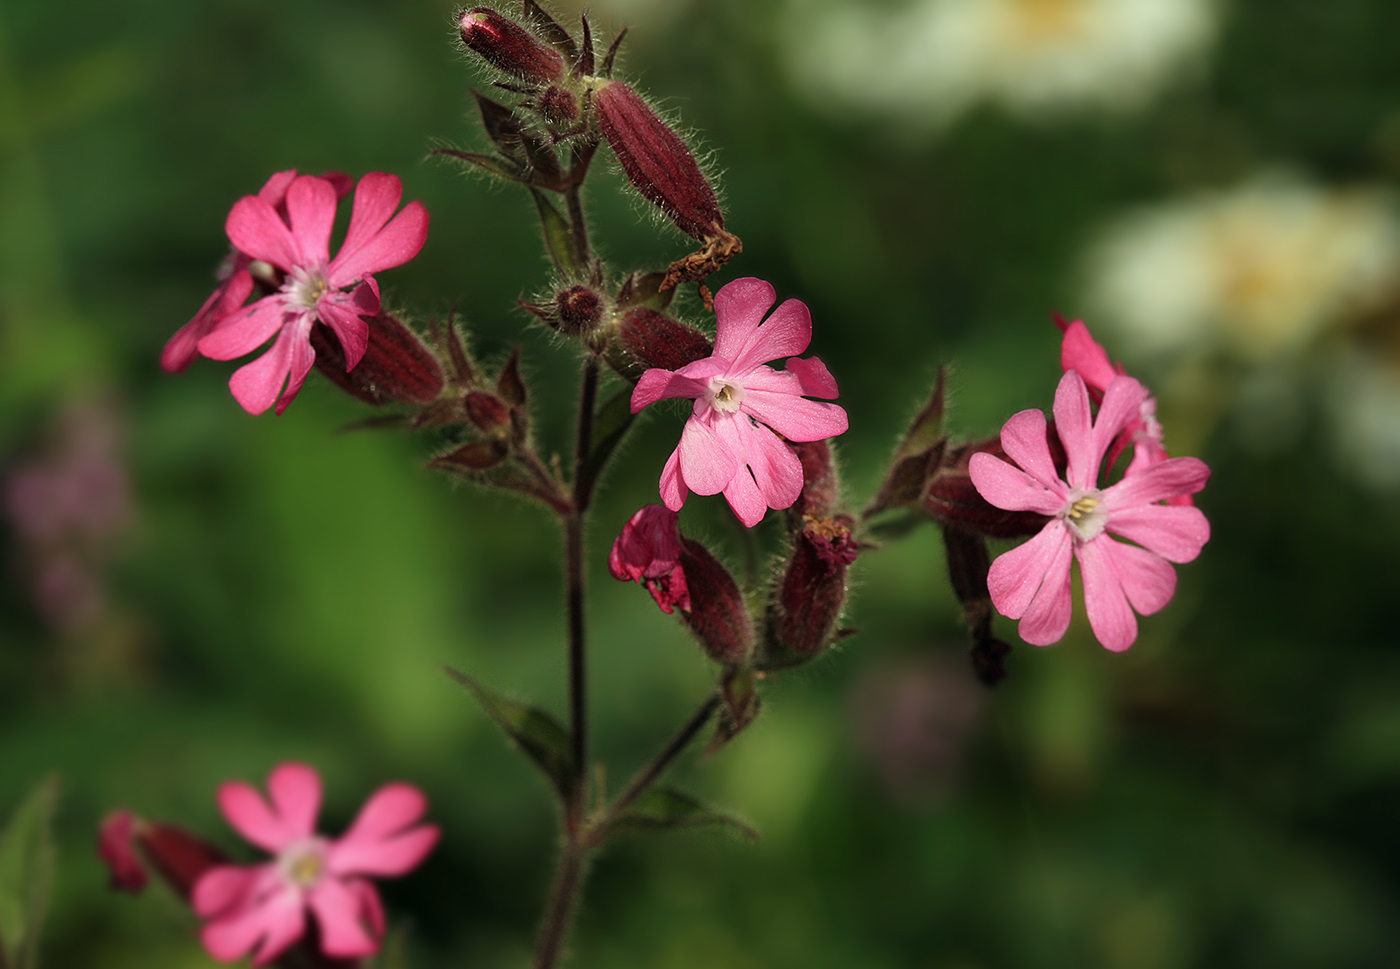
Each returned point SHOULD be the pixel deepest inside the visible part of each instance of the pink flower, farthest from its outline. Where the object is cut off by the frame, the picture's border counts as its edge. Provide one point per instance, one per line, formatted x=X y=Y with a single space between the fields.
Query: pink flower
x=116 y=848
x=297 y=243
x=1031 y=582
x=728 y=444
x=262 y=908
x=648 y=552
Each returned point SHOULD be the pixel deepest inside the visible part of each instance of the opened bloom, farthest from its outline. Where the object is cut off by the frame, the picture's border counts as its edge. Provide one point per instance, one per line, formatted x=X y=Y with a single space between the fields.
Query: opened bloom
x=731 y=442
x=261 y=909
x=1031 y=583
x=296 y=244
x=648 y=552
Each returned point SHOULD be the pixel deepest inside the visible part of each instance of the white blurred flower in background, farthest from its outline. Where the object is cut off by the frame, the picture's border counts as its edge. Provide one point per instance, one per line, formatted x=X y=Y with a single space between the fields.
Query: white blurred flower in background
x=1259 y=269
x=1363 y=400
x=927 y=61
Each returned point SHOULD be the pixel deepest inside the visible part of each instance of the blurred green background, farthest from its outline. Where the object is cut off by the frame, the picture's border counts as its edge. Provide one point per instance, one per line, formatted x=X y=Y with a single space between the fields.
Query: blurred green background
x=247 y=591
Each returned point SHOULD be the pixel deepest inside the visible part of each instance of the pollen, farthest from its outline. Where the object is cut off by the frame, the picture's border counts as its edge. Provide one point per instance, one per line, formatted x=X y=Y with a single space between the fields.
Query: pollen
x=1082 y=508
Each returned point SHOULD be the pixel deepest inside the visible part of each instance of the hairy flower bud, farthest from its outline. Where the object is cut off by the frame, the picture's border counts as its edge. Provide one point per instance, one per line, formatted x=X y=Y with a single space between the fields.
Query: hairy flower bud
x=578 y=310
x=821 y=485
x=718 y=615
x=506 y=45
x=397 y=367
x=652 y=339
x=952 y=500
x=656 y=161
x=487 y=412
x=805 y=605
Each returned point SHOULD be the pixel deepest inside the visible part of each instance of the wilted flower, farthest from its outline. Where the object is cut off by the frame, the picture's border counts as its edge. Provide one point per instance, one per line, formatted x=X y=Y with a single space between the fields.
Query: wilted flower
x=648 y=552
x=261 y=909
x=728 y=444
x=1031 y=582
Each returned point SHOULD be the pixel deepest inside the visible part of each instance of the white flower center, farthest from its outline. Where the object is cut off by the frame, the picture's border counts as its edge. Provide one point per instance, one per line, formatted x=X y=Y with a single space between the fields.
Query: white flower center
x=1084 y=515
x=306 y=287
x=303 y=862
x=725 y=396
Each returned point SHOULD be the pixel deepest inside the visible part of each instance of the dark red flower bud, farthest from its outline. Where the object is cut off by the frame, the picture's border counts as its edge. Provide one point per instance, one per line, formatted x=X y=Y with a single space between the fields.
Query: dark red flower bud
x=656 y=161
x=506 y=45
x=804 y=607
x=652 y=339
x=397 y=366
x=578 y=310
x=176 y=855
x=821 y=486
x=951 y=499
x=718 y=615
x=486 y=412
x=558 y=106
x=116 y=848
x=648 y=552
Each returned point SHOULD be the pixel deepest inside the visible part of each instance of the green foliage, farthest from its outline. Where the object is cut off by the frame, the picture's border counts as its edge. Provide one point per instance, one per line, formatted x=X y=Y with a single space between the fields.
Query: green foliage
x=26 y=876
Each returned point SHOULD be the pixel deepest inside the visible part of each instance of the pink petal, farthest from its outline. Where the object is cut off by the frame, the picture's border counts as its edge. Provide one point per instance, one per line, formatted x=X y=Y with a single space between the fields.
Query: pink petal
x=389 y=811
x=795 y=418
x=371 y=908
x=385 y=857
x=1011 y=488
x=118 y=853
x=251 y=817
x=1174 y=532
x=1148 y=580
x=706 y=464
x=1156 y=482
x=786 y=332
x=296 y=795
x=256 y=385
x=1110 y=616
x=1017 y=575
x=1075 y=428
x=338 y=311
x=244 y=332
x=299 y=364
x=673 y=489
x=277 y=920
x=256 y=230
x=311 y=214
x=1023 y=439
x=816 y=380
x=745 y=499
x=739 y=308
x=274 y=190
x=657 y=384
x=773 y=381
x=1080 y=351
x=183 y=347
x=376 y=197
x=1121 y=407
x=337 y=910
x=777 y=471
x=224 y=887
x=1048 y=615
x=394 y=245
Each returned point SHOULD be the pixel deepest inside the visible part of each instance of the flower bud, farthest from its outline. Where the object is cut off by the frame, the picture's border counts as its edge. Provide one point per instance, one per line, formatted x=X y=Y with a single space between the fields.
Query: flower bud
x=507 y=46
x=397 y=367
x=648 y=552
x=718 y=615
x=952 y=500
x=558 y=106
x=652 y=339
x=176 y=855
x=578 y=310
x=487 y=412
x=821 y=486
x=804 y=607
x=656 y=161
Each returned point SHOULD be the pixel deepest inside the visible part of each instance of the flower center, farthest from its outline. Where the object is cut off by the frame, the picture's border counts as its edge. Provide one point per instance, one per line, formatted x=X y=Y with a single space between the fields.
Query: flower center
x=305 y=287
x=303 y=862
x=725 y=396
x=1084 y=515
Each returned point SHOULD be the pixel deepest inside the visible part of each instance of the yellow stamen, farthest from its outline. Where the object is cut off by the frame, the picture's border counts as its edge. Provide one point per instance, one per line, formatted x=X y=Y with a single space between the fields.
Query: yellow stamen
x=305 y=869
x=1082 y=507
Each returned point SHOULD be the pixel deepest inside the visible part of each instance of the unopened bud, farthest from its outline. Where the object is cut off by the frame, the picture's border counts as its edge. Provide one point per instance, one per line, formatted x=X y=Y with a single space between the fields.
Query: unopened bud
x=486 y=412
x=648 y=552
x=718 y=615
x=820 y=484
x=506 y=45
x=558 y=106
x=656 y=161
x=952 y=500
x=578 y=310
x=652 y=339
x=397 y=367
x=804 y=607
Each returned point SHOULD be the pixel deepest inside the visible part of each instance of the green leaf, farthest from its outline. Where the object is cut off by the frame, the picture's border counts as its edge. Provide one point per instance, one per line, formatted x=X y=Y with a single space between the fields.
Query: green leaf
x=558 y=237
x=26 y=876
x=499 y=167
x=610 y=425
x=535 y=732
x=666 y=809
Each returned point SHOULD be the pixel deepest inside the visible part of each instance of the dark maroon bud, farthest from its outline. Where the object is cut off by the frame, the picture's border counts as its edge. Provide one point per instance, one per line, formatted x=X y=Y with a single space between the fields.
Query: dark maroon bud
x=579 y=310
x=558 y=106
x=180 y=858
x=397 y=366
x=718 y=615
x=821 y=486
x=805 y=605
x=506 y=45
x=486 y=412
x=654 y=339
x=656 y=161
x=952 y=500
x=509 y=385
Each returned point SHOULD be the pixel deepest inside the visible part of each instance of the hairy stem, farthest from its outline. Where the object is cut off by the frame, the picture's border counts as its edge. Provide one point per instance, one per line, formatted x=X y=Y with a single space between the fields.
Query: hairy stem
x=649 y=774
x=563 y=903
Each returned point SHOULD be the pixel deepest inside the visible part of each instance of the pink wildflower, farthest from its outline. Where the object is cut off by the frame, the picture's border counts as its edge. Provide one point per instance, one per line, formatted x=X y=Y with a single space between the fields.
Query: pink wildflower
x=262 y=908
x=1031 y=583
x=648 y=552
x=728 y=444
x=297 y=243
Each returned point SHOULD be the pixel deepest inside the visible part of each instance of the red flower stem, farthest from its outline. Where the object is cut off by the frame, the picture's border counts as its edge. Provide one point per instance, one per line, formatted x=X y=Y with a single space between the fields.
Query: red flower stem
x=578 y=170
x=649 y=774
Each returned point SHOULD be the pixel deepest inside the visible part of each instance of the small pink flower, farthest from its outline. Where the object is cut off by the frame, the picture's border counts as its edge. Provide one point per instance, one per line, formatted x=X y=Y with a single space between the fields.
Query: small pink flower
x=648 y=552
x=1031 y=583
x=117 y=849
x=297 y=243
x=728 y=444
x=261 y=909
